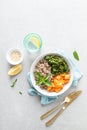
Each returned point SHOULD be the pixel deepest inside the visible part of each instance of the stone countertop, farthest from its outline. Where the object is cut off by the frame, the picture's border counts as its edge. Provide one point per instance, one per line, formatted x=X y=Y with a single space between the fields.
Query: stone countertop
x=62 y=25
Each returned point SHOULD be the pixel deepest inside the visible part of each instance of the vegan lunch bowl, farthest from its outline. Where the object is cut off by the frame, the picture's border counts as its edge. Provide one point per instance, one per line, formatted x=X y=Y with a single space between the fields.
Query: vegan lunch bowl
x=51 y=74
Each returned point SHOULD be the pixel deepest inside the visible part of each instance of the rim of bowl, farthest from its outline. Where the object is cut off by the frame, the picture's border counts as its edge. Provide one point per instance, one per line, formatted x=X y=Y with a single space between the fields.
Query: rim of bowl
x=45 y=92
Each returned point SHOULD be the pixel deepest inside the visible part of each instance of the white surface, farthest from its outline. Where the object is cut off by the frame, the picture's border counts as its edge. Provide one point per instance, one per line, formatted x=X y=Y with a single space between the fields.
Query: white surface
x=62 y=24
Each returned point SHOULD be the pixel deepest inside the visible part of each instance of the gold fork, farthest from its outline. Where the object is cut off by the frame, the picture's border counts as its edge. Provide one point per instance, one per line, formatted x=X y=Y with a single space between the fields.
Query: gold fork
x=66 y=100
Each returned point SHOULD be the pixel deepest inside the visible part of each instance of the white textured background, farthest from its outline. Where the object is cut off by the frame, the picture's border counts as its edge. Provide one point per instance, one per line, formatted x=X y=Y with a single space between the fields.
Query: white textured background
x=62 y=24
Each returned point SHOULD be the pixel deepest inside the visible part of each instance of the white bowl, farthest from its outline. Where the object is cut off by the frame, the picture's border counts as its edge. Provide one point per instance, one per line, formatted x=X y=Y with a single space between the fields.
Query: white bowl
x=9 y=58
x=45 y=92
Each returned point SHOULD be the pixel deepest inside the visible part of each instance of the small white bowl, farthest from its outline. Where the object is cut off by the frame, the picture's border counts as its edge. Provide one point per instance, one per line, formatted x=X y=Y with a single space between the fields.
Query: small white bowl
x=45 y=92
x=8 y=56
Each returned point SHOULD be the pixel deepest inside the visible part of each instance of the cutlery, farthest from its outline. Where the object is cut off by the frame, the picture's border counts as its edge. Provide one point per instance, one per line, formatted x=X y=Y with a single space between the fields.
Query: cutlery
x=71 y=99
x=67 y=99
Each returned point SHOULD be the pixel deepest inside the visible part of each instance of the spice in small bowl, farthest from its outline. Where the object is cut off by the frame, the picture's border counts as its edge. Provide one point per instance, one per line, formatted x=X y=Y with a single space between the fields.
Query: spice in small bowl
x=14 y=56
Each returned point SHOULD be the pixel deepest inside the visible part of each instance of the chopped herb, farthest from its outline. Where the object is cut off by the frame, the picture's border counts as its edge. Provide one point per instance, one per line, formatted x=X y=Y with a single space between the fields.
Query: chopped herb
x=42 y=79
x=76 y=56
x=20 y=92
x=13 y=83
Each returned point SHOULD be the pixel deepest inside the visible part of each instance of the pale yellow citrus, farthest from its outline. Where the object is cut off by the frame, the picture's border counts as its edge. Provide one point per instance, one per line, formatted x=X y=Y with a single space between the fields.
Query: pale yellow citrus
x=35 y=41
x=15 y=70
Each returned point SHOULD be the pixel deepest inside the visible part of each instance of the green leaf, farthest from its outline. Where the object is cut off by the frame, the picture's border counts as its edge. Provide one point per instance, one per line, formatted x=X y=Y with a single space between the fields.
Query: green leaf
x=42 y=80
x=47 y=83
x=46 y=77
x=37 y=75
x=39 y=82
x=13 y=83
x=20 y=92
x=76 y=56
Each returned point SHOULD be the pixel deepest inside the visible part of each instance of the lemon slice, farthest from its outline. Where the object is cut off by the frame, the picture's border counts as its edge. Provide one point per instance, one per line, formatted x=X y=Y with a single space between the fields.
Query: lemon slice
x=15 y=70
x=35 y=41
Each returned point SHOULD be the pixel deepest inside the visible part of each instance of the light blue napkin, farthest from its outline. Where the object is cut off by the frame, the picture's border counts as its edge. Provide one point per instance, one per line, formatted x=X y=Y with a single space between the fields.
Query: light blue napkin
x=45 y=99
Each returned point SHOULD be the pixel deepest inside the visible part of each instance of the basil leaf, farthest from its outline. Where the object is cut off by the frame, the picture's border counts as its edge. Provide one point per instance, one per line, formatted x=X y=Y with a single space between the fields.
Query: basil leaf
x=37 y=75
x=42 y=80
x=76 y=56
x=46 y=77
x=47 y=83
x=39 y=82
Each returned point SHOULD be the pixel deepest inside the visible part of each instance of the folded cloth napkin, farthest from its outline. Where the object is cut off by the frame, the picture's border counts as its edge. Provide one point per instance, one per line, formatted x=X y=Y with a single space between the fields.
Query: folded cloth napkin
x=45 y=99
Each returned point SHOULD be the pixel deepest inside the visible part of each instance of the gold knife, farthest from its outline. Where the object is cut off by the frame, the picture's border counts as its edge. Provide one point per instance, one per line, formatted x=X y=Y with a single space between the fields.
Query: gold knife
x=58 y=105
x=63 y=108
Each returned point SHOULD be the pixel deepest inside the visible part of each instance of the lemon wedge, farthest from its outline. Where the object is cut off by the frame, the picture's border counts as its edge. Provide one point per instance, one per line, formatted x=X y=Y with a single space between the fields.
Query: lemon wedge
x=15 y=70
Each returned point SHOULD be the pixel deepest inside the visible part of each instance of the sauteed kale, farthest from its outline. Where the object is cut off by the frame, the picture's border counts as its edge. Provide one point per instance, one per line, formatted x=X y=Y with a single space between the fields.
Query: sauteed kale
x=57 y=63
